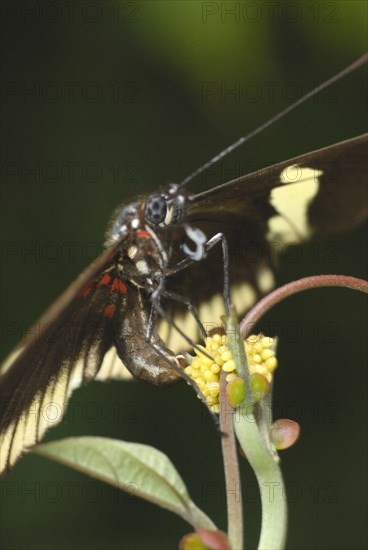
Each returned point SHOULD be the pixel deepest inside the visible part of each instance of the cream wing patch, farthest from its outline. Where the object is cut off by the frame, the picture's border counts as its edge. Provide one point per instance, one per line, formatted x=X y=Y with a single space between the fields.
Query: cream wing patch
x=291 y=201
x=265 y=280
x=47 y=409
x=113 y=368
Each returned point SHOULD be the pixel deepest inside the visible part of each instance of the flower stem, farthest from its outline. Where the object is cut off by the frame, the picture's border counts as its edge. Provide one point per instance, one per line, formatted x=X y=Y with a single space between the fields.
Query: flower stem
x=231 y=470
x=261 y=458
x=270 y=481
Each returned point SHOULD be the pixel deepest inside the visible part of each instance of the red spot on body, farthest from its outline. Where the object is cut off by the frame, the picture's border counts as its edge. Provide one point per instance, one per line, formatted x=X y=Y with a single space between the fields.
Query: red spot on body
x=105 y=280
x=143 y=234
x=119 y=285
x=109 y=311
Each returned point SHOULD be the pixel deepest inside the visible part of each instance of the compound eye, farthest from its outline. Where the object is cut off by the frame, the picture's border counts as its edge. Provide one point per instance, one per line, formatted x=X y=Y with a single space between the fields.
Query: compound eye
x=156 y=209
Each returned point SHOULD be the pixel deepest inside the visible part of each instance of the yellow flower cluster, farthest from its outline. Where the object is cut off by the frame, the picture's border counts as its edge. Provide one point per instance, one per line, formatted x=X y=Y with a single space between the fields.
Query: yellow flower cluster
x=206 y=372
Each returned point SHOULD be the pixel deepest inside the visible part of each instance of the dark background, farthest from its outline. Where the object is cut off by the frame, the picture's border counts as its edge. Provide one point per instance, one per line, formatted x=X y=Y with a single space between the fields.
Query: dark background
x=119 y=108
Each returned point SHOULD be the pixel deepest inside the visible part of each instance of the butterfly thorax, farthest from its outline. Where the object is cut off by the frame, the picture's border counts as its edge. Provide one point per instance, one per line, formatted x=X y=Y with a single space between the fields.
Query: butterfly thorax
x=140 y=256
x=141 y=259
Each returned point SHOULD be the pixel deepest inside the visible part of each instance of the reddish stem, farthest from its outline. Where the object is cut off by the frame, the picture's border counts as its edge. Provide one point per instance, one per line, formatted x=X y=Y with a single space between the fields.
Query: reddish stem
x=307 y=283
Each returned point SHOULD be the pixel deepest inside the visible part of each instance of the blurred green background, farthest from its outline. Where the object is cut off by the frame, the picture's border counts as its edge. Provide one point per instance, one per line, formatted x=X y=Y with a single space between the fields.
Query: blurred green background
x=119 y=106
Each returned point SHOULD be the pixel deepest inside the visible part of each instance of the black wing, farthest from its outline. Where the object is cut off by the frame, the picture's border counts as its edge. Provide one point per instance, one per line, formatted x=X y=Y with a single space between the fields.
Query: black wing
x=99 y=322
x=321 y=191
x=63 y=350
x=339 y=201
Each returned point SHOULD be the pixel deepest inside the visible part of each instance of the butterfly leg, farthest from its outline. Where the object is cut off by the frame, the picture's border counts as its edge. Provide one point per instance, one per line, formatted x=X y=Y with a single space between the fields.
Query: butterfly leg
x=179 y=359
x=155 y=301
x=183 y=300
x=220 y=238
x=157 y=309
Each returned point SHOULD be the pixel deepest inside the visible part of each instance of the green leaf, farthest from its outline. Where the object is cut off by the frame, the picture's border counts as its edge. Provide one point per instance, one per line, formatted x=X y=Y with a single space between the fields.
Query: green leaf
x=129 y=466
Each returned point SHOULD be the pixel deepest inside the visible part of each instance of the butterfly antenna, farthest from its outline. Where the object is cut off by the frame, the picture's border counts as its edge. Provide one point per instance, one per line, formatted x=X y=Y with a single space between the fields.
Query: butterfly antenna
x=358 y=63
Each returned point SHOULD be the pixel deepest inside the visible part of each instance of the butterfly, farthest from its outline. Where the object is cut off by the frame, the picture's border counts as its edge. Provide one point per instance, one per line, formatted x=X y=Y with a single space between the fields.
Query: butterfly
x=166 y=247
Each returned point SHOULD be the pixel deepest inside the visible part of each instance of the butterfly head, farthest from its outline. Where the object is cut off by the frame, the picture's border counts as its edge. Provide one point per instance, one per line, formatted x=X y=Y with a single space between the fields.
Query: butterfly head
x=160 y=211
x=166 y=209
